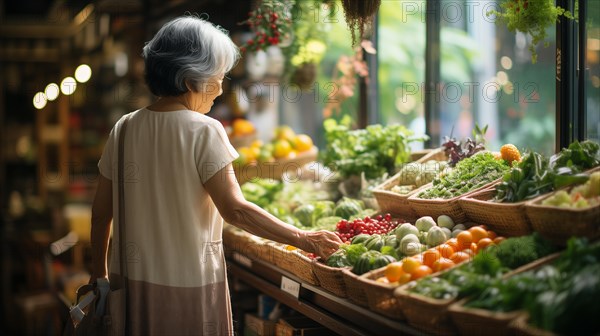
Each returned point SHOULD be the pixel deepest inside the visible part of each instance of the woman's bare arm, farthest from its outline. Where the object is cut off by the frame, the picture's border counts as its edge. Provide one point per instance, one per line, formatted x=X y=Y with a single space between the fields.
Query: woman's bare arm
x=101 y=222
x=227 y=196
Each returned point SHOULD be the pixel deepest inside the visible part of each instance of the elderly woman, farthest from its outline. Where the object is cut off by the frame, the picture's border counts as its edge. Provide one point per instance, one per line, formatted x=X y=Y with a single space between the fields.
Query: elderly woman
x=179 y=187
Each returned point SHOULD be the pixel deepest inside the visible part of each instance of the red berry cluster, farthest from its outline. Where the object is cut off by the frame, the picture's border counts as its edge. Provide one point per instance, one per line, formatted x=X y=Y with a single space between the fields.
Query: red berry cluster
x=269 y=23
x=346 y=230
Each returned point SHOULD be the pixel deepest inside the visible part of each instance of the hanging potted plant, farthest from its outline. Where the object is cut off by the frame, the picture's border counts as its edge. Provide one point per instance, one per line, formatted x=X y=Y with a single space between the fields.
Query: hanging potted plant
x=308 y=45
x=270 y=24
x=359 y=16
x=531 y=17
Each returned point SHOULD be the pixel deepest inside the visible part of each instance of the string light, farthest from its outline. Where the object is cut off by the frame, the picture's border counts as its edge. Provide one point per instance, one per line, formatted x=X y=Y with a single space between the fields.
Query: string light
x=39 y=100
x=83 y=73
x=68 y=86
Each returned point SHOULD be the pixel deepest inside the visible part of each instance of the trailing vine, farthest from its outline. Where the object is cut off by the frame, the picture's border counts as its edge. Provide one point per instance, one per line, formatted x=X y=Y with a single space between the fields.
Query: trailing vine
x=359 y=16
x=532 y=17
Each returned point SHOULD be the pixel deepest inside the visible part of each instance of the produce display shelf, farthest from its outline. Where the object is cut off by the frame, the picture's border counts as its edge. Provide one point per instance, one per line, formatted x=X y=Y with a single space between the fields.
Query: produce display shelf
x=337 y=314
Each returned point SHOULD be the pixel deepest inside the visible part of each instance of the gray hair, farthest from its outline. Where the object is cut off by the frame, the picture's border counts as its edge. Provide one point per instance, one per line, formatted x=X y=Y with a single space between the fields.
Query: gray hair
x=187 y=50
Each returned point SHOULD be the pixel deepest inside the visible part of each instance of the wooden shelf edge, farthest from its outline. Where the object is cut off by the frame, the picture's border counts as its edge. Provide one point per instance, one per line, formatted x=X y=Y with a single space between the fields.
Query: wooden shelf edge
x=336 y=314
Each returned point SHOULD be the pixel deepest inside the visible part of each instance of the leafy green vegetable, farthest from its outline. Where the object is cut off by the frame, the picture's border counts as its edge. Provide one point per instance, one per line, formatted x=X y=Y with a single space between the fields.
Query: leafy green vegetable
x=518 y=251
x=469 y=174
x=354 y=252
x=536 y=175
x=563 y=297
x=374 y=150
x=573 y=308
x=339 y=259
x=579 y=156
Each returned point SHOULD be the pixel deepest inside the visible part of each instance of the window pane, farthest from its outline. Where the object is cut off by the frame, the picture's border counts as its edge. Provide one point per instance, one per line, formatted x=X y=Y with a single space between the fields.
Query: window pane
x=488 y=78
x=401 y=58
x=593 y=64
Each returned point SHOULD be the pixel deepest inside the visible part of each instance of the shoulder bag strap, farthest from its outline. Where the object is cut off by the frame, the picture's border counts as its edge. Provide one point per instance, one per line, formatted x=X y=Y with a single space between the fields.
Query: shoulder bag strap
x=121 y=195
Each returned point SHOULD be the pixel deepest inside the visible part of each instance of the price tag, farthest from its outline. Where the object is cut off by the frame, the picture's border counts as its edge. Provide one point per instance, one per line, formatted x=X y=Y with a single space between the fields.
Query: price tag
x=290 y=286
x=243 y=260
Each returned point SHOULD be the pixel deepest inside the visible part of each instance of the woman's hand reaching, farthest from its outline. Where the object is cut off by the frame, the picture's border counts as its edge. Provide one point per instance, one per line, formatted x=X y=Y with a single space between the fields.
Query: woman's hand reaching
x=322 y=243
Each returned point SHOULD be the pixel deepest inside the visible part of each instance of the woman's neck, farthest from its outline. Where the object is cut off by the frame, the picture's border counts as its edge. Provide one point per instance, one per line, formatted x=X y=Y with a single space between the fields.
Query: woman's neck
x=168 y=104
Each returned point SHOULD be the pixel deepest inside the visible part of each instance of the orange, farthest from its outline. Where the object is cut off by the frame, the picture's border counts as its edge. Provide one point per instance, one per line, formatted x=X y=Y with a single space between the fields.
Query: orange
x=469 y=252
x=430 y=256
x=478 y=233
x=459 y=257
x=406 y=277
x=302 y=143
x=242 y=127
x=420 y=272
x=281 y=149
x=485 y=242
x=382 y=280
x=409 y=265
x=510 y=153
x=442 y=264
x=454 y=243
x=474 y=248
x=445 y=250
x=498 y=240
x=464 y=240
x=491 y=234
x=419 y=258
x=393 y=272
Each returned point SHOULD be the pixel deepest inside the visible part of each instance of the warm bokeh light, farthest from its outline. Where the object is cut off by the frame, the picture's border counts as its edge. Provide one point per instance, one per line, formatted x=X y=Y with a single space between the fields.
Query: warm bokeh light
x=52 y=91
x=502 y=77
x=39 y=100
x=506 y=62
x=68 y=86
x=83 y=73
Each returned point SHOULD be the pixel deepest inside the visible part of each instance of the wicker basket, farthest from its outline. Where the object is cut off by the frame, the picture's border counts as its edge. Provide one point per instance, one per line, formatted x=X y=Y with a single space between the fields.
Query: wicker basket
x=433 y=315
x=380 y=296
x=520 y=327
x=475 y=321
x=395 y=203
x=355 y=289
x=330 y=278
x=506 y=219
x=426 y=314
x=472 y=321
x=280 y=169
x=440 y=206
x=560 y=224
x=296 y=263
